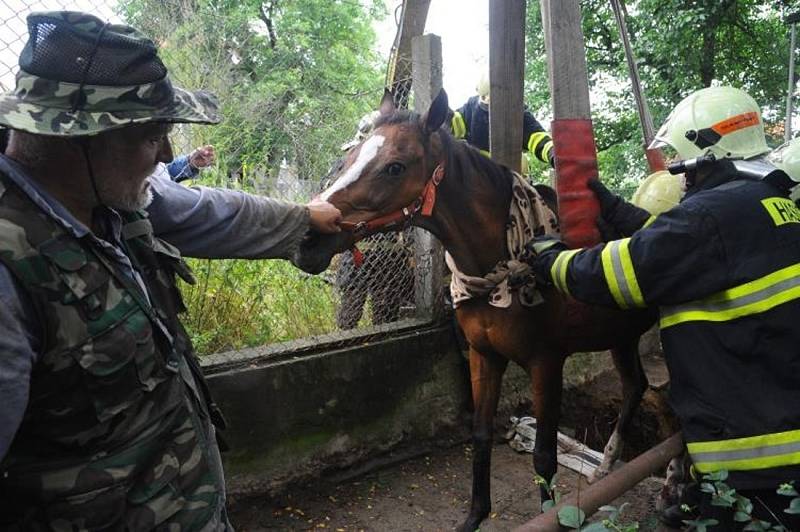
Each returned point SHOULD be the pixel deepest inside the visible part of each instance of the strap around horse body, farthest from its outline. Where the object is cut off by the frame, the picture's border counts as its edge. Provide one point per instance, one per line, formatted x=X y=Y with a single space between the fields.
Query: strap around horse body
x=423 y=204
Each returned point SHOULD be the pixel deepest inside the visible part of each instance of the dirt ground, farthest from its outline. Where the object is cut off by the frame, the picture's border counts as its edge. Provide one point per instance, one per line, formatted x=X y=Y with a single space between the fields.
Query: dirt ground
x=430 y=492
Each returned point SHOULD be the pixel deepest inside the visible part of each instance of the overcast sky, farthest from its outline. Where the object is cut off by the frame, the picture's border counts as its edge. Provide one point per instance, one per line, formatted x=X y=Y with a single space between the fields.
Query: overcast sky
x=463 y=26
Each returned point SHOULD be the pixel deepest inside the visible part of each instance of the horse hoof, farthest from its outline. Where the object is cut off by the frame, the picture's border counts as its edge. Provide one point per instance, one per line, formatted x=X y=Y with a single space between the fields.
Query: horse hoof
x=472 y=524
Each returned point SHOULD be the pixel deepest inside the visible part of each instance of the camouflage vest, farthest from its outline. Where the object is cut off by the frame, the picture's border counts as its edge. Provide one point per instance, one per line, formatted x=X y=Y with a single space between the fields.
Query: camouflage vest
x=115 y=435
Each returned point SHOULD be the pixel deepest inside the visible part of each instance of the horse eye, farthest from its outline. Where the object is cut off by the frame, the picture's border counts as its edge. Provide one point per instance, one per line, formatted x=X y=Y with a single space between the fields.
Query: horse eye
x=395 y=169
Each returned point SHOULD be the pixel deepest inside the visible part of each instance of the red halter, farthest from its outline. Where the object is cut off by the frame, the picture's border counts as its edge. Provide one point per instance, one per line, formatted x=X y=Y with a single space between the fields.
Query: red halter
x=423 y=204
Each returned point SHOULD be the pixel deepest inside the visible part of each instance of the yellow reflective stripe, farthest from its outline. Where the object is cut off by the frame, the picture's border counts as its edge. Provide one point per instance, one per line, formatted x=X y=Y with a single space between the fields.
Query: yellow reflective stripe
x=649 y=221
x=620 y=275
x=535 y=139
x=459 y=126
x=742 y=454
x=611 y=279
x=753 y=297
x=630 y=274
x=546 y=151
x=486 y=153
x=559 y=269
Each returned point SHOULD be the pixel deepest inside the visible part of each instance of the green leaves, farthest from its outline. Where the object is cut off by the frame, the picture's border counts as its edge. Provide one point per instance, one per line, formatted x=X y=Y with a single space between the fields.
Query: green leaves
x=680 y=47
x=571 y=517
x=794 y=507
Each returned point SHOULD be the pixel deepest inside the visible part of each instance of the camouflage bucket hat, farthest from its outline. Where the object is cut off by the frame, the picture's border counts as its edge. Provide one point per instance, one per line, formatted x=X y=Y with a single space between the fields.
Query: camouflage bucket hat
x=81 y=76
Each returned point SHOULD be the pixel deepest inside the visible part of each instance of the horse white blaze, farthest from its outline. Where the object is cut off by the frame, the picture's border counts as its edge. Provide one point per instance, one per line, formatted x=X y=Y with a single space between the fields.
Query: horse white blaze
x=368 y=152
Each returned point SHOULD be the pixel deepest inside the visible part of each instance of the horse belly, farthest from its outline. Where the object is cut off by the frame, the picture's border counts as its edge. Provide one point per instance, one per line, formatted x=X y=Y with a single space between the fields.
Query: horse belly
x=515 y=332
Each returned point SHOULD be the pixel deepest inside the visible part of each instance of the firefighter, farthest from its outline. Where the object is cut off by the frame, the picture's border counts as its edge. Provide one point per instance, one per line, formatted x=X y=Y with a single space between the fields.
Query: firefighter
x=471 y=123
x=724 y=268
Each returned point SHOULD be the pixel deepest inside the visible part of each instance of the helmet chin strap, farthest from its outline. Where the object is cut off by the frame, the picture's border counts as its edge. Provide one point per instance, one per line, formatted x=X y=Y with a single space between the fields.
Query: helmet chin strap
x=83 y=142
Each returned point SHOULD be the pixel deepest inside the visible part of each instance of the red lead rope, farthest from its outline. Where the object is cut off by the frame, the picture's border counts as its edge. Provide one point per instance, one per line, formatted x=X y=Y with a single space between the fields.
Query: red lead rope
x=423 y=204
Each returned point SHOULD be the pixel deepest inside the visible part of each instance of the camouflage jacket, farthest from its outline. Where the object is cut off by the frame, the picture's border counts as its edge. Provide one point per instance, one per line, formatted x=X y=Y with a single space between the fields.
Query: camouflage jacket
x=117 y=434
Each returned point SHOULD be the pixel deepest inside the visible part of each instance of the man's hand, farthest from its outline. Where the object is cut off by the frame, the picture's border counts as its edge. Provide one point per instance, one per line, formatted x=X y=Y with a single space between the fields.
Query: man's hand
x=202 y=157
x=324 y=217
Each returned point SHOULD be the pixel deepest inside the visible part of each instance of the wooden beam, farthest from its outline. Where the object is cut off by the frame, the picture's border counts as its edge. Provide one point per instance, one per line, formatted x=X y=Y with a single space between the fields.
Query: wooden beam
x=506 y=72
x=428 y=251
x=399 y=73
x=566 y=59
x=573 y=136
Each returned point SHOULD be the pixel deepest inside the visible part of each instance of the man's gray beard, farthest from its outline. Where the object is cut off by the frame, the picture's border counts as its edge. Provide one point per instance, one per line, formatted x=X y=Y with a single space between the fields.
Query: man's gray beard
x=128 y=204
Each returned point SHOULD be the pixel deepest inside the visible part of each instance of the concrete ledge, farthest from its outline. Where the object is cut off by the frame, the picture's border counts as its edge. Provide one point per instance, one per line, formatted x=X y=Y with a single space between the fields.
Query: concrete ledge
x=297 y=416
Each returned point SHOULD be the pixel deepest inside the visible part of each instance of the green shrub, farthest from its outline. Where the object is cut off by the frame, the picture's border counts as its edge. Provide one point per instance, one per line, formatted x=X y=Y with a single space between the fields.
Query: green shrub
x=244 y=303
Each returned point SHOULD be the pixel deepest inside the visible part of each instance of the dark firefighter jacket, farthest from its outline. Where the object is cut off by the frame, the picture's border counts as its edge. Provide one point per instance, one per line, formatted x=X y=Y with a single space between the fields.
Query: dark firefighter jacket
x=471 y=122
x=724 y=268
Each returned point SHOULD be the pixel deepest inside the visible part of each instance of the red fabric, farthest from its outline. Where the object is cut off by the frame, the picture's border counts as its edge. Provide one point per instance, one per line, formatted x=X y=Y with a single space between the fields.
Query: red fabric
x=358 y=257
x=576 y=164
x=655 y=160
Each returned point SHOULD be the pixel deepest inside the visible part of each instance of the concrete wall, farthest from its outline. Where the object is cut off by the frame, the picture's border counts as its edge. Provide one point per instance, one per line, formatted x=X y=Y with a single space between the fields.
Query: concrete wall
x=293 y=417
x=296 y=414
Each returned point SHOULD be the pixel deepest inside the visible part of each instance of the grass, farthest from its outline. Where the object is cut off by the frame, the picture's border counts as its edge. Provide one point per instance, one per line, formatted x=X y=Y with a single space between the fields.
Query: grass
x=243 y=303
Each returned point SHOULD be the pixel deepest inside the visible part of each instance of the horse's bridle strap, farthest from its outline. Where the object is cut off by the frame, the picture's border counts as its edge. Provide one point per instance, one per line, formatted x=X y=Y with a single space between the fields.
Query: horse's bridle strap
x=424 y=204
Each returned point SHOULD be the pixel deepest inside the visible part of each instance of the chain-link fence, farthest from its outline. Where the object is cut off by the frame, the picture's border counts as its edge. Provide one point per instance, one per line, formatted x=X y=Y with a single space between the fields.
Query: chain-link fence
x=293 y=80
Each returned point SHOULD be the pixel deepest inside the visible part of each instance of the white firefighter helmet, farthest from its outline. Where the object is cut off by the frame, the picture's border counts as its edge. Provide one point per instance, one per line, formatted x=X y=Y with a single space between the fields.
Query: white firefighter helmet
x=483 y=87
x=724 y=121
x=659 y=192
x=787 y=158
x=365 y=126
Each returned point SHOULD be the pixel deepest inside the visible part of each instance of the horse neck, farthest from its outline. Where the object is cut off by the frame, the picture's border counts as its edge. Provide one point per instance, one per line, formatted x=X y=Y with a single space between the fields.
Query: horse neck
x=470 y=214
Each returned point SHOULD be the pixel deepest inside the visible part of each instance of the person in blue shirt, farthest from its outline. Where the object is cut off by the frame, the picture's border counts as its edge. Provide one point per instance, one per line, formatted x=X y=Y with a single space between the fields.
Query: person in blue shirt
x=189 y=165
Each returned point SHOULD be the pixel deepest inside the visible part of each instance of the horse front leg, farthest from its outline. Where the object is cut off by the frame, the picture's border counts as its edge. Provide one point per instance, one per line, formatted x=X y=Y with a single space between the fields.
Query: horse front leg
x=546 y=380
x=486 y=375
x=634 y=383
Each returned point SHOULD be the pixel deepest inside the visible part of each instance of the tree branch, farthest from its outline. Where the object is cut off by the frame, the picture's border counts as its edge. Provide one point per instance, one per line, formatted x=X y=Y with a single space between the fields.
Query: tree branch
x=265 y=14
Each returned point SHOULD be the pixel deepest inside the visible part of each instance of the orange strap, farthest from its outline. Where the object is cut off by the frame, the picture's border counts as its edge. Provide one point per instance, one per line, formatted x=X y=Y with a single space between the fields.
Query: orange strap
x=424 y=203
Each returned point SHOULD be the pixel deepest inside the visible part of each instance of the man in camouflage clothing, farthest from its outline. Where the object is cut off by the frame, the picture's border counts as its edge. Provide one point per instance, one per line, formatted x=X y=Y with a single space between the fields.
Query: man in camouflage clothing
x=105 y=419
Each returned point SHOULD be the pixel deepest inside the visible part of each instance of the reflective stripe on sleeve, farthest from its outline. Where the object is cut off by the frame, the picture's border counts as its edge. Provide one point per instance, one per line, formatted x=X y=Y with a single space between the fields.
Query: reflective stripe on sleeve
x=648 y=221
x=548 y=147
x=540 y=144
x=459 y=126
x=747 y=299
x=558 y=271
x=620 y=275
x=745 y=454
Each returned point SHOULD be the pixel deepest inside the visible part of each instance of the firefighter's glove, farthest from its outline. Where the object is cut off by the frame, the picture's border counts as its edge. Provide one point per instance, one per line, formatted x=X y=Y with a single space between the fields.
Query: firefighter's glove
x=540 y=253
x=621 y=217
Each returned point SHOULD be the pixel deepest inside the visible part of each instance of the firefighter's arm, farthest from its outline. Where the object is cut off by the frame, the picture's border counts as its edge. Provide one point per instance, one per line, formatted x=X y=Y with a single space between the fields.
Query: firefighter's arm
x=536 y=140
x=678 y=258
x=458 y=125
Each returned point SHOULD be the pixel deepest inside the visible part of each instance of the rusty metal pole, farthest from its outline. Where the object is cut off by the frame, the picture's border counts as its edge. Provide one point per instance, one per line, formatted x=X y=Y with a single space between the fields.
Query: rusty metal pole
x=655 y=159
x=609 y=488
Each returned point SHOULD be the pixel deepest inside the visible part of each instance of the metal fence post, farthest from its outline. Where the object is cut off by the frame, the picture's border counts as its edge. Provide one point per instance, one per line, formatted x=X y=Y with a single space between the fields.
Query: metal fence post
x=426 y=54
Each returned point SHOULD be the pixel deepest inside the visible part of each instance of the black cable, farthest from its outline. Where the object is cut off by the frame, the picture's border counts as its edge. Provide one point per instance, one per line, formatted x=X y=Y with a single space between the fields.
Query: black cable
x=83 y=142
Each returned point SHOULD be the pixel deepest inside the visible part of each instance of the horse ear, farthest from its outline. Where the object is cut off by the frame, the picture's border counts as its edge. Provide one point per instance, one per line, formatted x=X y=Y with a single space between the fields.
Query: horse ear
x=387 y=103
x=437 y=112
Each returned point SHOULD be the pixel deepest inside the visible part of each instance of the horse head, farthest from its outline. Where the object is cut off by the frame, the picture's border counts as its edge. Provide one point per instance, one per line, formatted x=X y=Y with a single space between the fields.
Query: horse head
x=382 y=183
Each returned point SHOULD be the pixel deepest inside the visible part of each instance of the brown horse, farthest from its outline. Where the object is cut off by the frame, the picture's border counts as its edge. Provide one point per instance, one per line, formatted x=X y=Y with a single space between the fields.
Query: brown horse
x=410 y=170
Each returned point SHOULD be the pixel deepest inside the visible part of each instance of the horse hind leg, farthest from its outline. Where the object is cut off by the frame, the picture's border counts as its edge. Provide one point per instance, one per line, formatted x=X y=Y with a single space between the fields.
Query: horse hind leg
x=634 y=383
x=546 y=372
x=486 y=375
